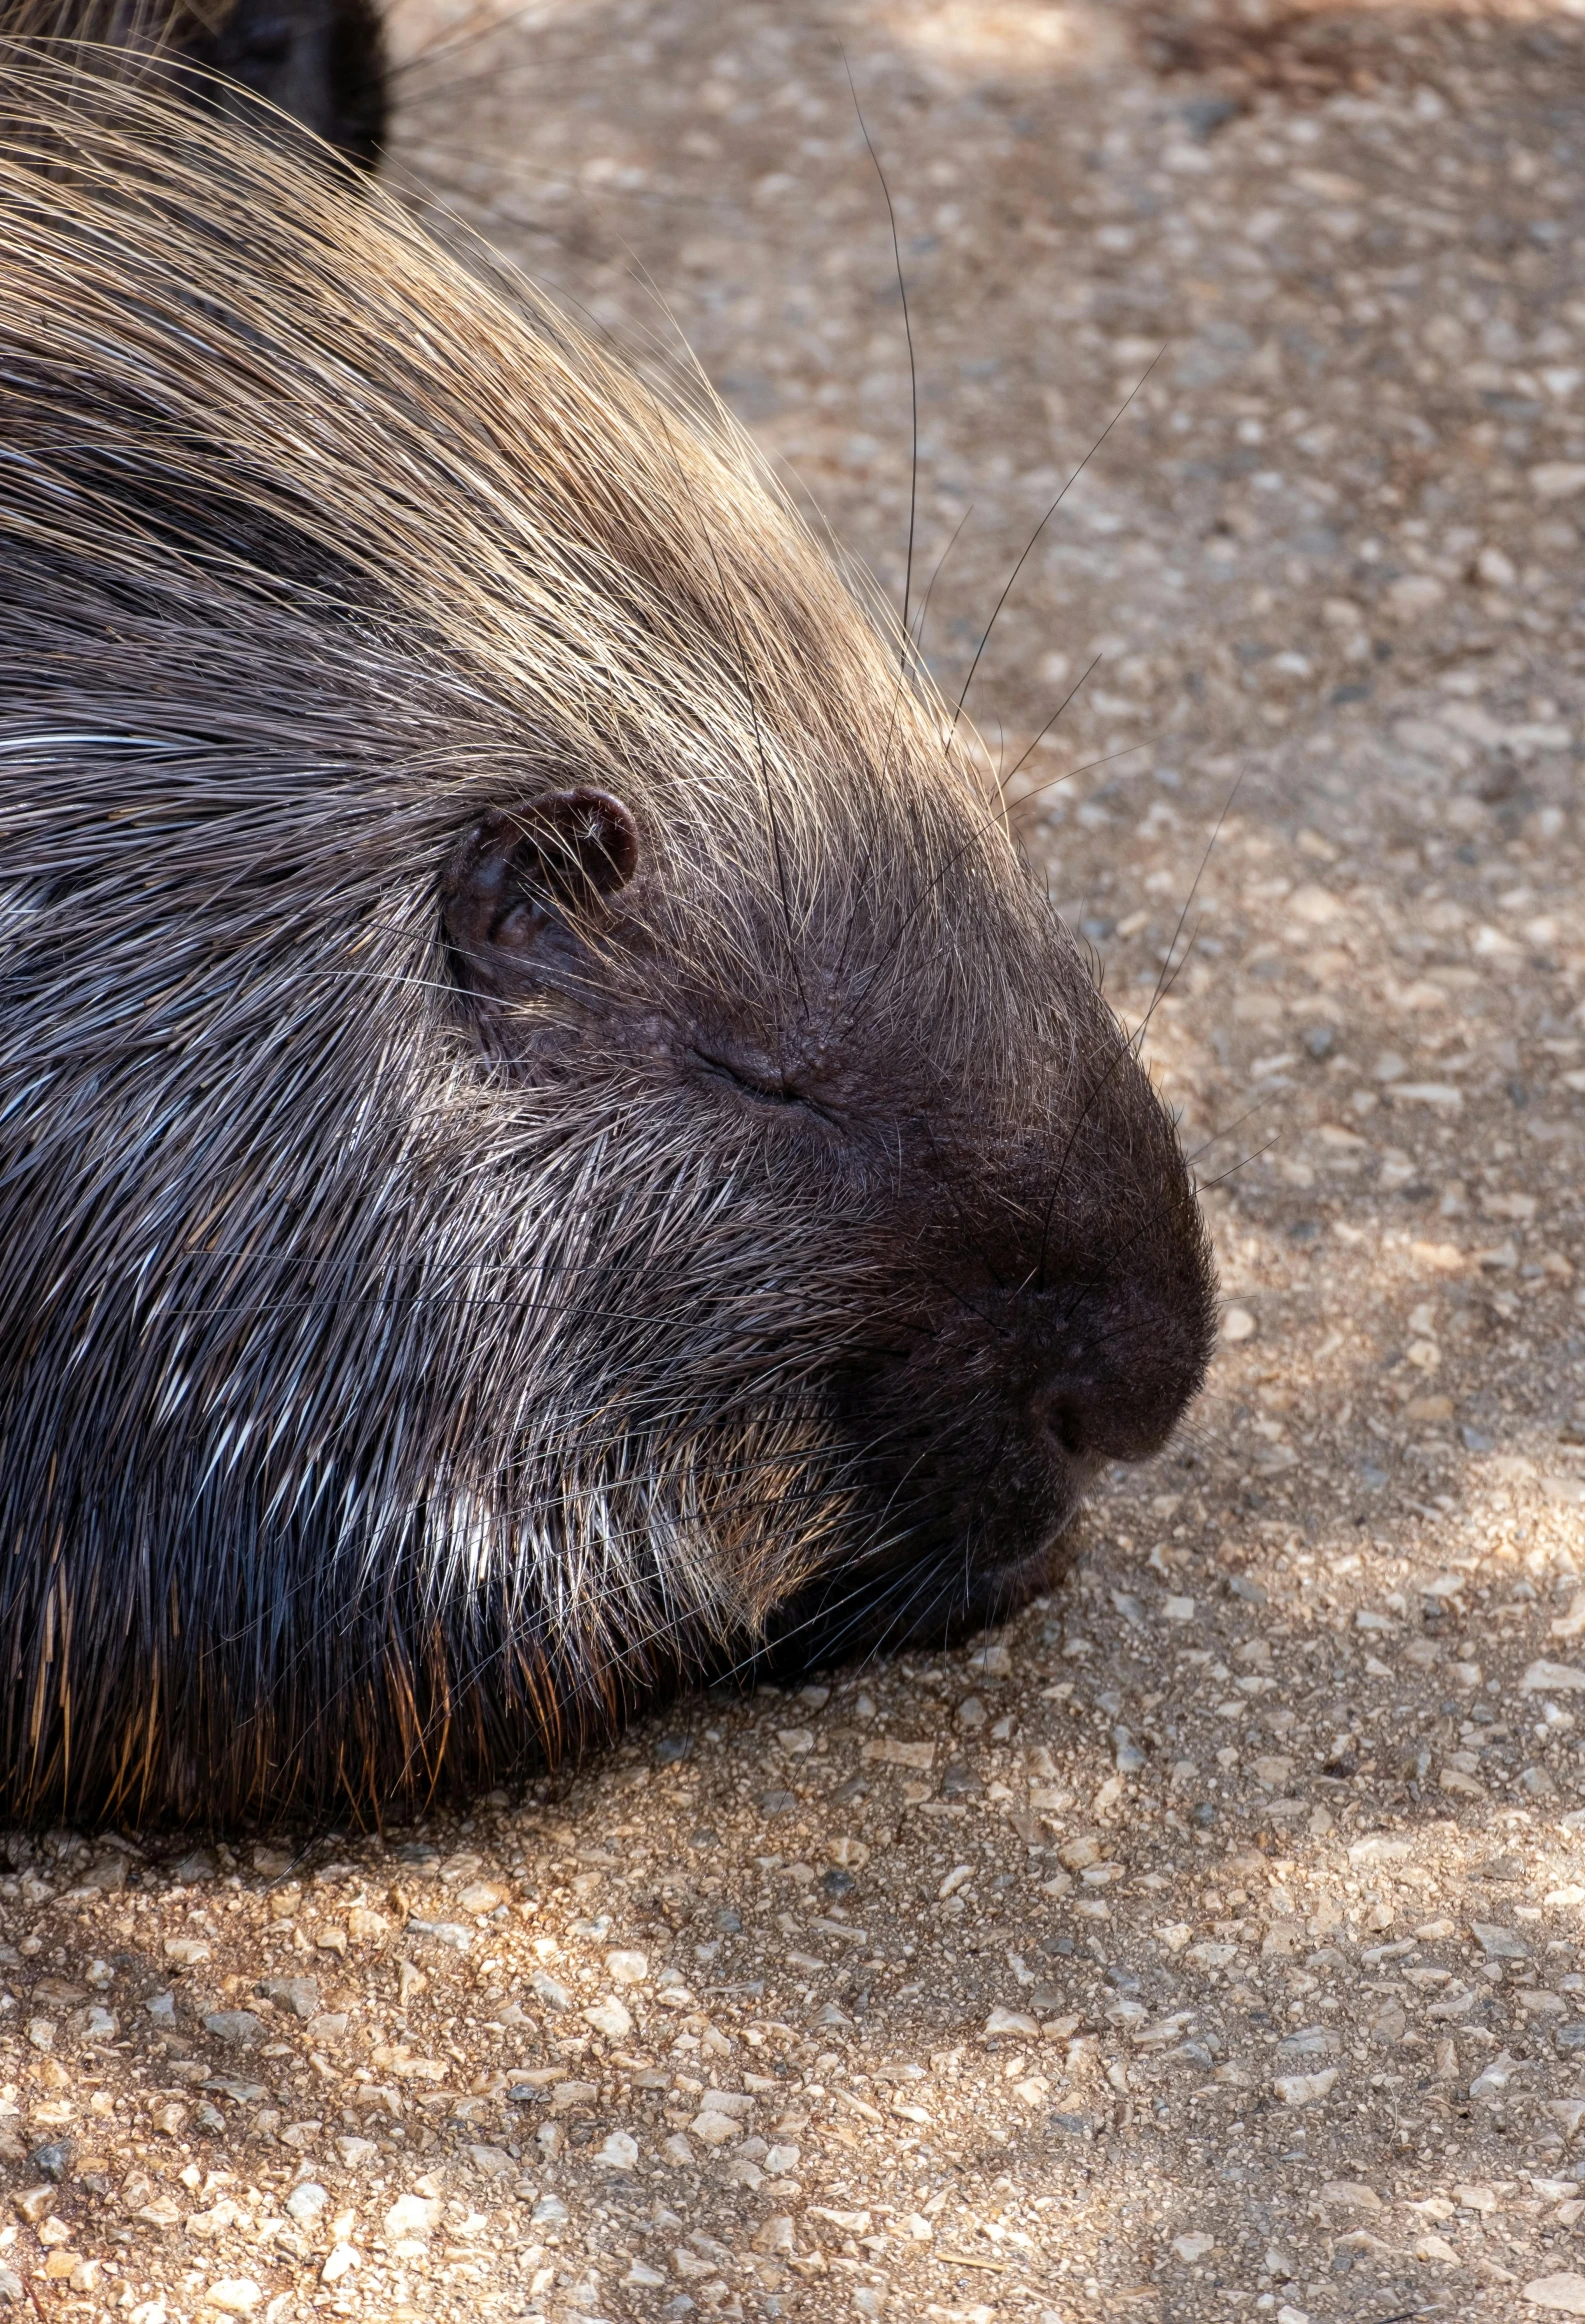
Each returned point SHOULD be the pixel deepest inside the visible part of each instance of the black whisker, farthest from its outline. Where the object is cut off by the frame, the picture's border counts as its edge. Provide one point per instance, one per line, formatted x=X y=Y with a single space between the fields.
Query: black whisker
x=913 y=369
x=1028 y=547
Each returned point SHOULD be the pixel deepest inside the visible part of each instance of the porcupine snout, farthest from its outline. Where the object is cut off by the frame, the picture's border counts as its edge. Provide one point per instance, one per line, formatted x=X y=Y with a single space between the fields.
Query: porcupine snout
x=1122 y=1349
x=1115 y=1384
x=1064 y=1316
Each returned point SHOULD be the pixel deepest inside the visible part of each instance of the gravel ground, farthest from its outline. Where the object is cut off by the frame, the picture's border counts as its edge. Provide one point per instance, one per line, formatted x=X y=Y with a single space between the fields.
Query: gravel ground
x=1208 y=1942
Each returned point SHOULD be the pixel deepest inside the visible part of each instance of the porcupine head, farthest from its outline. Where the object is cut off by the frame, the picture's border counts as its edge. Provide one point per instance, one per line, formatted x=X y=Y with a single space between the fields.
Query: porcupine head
x=546 y=1134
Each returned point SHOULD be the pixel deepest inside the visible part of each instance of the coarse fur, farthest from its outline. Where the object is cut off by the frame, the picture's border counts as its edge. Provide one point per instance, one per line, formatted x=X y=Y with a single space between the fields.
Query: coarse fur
x=546 y=1135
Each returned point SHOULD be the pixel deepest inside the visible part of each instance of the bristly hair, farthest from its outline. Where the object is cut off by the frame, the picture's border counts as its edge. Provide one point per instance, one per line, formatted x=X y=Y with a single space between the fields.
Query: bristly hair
x=398 y=1383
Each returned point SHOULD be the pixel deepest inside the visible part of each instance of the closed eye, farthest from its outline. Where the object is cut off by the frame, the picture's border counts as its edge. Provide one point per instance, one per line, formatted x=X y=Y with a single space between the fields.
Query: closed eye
x=763 y=1089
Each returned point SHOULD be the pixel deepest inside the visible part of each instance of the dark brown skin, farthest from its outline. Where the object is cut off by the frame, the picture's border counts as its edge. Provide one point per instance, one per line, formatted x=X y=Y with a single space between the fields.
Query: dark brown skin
x=320 y=63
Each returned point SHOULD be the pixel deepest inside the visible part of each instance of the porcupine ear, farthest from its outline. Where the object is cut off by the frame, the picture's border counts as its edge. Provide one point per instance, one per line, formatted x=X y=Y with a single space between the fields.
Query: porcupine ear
x=519 y=875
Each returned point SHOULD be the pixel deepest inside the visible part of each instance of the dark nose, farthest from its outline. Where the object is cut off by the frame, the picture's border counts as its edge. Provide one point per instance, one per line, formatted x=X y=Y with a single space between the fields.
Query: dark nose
x=1115 y=1393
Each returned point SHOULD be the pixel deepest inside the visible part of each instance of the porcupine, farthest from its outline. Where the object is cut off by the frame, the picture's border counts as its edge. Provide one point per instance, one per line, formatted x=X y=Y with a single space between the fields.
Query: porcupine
x=547 y=1137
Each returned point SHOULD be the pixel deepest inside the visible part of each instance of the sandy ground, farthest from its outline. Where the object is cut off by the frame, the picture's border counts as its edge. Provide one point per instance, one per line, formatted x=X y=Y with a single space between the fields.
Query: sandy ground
x=1208 y=1944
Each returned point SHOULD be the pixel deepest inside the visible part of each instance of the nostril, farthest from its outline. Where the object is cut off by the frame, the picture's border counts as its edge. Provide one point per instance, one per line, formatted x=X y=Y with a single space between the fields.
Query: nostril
x=1060 y=1412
